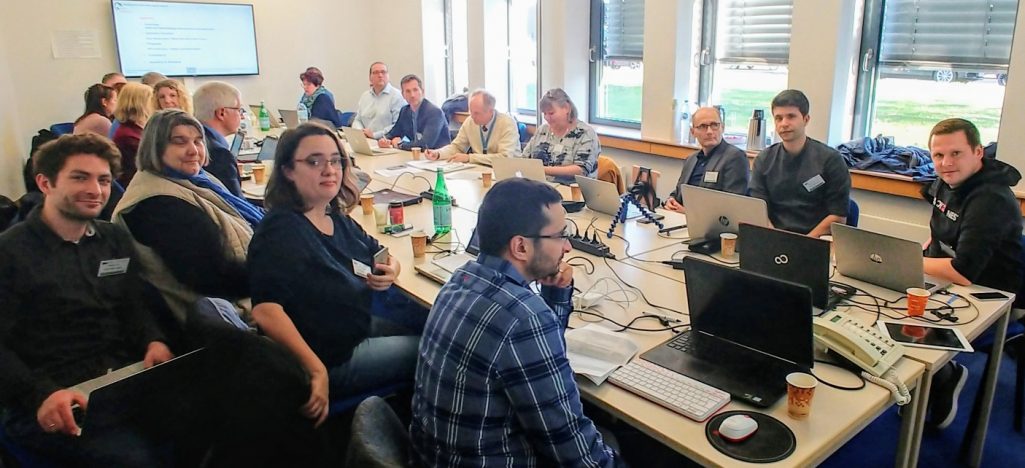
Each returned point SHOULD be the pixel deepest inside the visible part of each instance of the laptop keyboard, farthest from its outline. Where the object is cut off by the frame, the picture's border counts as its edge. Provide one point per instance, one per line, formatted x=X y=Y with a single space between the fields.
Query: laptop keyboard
x=681 y=343
x=672 y=390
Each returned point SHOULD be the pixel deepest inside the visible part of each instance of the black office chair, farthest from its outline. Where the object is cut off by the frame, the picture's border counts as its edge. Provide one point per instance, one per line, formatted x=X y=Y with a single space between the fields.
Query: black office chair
x=379 y=440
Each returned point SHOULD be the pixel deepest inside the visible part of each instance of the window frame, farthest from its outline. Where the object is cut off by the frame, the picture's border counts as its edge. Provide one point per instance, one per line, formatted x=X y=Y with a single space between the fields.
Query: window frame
x=596 y=52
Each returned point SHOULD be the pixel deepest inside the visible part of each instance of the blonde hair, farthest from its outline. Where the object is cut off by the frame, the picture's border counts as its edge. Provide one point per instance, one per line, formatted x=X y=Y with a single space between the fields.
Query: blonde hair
x=134 y=104
x=184 y=101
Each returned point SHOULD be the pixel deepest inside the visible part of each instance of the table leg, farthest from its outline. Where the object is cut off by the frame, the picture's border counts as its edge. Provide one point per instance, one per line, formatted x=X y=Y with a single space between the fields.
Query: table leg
x=989 y=384
x=907 y=426
x=921 y=403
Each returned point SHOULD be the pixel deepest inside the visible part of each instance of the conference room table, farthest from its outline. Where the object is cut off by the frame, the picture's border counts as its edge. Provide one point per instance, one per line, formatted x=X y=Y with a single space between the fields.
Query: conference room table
x=837 y=415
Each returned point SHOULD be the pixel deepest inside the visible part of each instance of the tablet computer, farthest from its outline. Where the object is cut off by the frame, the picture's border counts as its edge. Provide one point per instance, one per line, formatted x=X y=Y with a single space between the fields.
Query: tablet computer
x=925 y=336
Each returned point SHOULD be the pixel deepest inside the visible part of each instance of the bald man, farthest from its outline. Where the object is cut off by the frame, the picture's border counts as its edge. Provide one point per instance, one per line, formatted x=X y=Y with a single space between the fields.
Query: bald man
x=718 y=166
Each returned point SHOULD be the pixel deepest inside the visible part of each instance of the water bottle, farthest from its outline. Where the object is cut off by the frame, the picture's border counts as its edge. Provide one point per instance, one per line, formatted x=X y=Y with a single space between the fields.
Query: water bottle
x=756 y=131
x=264 y=117
x=304 y=114
x=442 y=206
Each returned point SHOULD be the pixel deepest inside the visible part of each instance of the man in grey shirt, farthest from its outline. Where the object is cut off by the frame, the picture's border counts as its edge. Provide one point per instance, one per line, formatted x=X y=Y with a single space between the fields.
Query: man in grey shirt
x=718 y=166
x=804 y=182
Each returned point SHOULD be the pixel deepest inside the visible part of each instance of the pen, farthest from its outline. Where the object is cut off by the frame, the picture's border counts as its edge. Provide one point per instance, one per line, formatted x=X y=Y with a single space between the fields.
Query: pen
x=671 y=229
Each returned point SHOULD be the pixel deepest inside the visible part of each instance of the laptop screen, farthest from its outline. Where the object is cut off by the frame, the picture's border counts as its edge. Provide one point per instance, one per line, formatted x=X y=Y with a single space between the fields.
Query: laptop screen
x=236 y=143
x=766 y=314
x=473 y=247
x=270 y=145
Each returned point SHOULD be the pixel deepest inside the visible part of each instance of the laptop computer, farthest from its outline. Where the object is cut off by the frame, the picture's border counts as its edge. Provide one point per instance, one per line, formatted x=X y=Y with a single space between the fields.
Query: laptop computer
x=603 y=197
x=290 y=117
x=527 y=168
x=440 y=270
x=711 y=212
x=748 y=331
x=359 y=144
x=274 y=122
x=791 y=257
x=267 y=149
x=890 y=262
x=236 y=144
x=133 y=392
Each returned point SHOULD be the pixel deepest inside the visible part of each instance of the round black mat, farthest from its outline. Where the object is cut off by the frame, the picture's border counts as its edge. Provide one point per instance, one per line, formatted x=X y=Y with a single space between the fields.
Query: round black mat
x=773 y=441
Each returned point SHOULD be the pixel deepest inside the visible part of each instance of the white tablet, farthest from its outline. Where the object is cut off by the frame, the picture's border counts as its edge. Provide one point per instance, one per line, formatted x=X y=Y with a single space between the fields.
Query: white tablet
x=925 y=336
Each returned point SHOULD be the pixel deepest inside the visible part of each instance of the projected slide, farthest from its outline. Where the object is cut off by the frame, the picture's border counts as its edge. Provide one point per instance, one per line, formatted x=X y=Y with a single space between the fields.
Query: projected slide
x=185 y=39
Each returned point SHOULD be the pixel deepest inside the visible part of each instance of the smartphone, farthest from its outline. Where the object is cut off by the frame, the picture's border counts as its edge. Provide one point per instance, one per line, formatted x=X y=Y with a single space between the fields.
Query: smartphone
x=657 y=216
x=380 y=257
x=989 y=296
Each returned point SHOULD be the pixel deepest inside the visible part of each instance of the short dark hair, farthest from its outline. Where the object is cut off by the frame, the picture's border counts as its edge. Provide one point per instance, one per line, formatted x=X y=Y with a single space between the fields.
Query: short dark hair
x=513 y=207
x=282 y=193
x=378 y=63
x=791 y=98
x=411 y=77
x=949 y=126
x=50 y=158
x=313 y=75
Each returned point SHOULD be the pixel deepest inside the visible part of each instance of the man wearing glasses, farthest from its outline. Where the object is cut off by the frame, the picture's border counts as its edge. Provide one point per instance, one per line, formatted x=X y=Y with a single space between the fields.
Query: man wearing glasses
x=493 y=384
x=718 y=165
x=218 y=106
x=379 y=106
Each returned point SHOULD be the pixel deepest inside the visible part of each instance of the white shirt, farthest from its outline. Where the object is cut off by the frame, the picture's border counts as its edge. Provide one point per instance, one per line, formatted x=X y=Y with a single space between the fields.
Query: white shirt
x=379 y=112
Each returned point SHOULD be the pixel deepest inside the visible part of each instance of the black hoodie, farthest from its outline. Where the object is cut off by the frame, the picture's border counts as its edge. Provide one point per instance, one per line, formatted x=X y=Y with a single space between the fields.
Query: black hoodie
x=979 y=224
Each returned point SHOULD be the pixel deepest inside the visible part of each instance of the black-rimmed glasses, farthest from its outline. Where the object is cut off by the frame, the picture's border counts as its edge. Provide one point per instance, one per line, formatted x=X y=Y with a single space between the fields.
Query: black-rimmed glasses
x=564 y=235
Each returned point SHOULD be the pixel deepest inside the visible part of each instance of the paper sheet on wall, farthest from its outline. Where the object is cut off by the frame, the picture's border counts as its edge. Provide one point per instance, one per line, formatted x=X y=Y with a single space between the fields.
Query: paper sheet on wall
x=75 y=44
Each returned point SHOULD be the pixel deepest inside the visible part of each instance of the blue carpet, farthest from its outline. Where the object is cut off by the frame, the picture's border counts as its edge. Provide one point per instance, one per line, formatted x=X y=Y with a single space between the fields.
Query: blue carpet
x=877 y=444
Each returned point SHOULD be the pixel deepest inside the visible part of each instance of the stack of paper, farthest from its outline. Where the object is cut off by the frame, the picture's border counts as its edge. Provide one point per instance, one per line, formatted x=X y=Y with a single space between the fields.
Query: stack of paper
x=595 y=352
x=445 y=166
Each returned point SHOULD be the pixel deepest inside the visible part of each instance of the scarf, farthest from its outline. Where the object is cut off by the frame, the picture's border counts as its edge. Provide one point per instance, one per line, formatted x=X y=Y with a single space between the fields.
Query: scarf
x=250 y=212
x=308 y=100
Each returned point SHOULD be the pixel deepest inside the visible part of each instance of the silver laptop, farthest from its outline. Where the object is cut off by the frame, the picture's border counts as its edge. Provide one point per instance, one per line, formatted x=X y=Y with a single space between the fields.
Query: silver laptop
x=603 y=197
x=440 y=269
x=274 y=122
x=358 y=142
x=527 y=168
x=711 y=212
x=290 y=117
x=882 y=260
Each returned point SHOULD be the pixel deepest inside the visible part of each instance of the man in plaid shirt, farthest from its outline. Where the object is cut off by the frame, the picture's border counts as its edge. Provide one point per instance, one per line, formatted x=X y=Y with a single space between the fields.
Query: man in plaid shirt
x=493 y=385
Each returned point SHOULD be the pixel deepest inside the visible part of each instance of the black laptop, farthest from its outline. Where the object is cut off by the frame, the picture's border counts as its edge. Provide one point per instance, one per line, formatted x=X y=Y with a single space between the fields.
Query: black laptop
x=790 y=257
x=748 y=331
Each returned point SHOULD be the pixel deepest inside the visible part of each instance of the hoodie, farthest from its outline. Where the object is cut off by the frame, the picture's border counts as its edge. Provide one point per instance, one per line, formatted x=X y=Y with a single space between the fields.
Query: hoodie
x=979 y=225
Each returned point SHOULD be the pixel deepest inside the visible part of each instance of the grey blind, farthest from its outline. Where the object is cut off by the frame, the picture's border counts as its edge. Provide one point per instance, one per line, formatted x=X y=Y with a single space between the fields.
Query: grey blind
x=754 y=31
x=969 y=32
x=623 y=34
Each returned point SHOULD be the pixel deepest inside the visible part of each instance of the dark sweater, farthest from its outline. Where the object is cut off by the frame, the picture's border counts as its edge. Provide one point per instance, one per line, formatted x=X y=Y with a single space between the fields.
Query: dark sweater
x=431 y=129
x=126 y=138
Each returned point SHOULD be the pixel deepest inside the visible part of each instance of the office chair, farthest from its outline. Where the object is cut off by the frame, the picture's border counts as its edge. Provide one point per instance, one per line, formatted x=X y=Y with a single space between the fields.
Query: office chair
x=378 y=437
x=62 y=128
x=853 y=213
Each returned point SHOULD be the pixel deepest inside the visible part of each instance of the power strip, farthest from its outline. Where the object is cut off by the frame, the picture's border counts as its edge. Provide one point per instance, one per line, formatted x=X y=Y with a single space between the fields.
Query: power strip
x=592 y=247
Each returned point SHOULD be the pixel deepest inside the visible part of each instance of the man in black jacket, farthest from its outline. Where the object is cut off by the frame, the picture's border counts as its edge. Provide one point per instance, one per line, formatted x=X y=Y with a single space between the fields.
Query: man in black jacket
x=975 y=231
x=718 y=166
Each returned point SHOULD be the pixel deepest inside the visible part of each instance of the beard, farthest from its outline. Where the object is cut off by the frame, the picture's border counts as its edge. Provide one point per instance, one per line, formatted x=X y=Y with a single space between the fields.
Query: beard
x=70 y=210
x=539 y=267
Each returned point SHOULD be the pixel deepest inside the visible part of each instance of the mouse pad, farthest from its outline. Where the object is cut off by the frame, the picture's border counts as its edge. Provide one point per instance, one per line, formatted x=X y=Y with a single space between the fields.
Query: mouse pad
x=773 y=441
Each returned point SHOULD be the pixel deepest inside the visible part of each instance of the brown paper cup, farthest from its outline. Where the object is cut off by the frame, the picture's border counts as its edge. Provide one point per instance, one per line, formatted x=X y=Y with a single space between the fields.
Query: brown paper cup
x=259 y=171
x=366 y=201
x=800 y=391
x=729 y=244
x=419 y=240
x=917 y=298
x=416 y=152
x=574 y=190
x=485 y=178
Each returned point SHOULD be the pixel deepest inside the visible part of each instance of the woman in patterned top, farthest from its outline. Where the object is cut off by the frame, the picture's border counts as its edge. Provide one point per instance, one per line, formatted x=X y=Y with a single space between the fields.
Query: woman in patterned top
x=567 y=146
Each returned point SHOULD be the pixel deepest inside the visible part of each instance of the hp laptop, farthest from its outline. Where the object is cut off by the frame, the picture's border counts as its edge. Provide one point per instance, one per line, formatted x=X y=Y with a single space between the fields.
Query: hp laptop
x=359 y=144
x=290 y=117
x=440 y=270
x=711 y=212
x=882 y=260
x=603 y=197
x=748 y=331
x=789 y=257
x=527 y=168
x=133 y=392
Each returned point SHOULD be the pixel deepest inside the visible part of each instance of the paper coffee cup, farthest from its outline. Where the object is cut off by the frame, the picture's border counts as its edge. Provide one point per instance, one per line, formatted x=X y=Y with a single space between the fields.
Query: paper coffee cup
x=917 y=298
x=800 y=391
x=729 y=244
x=419 y=240
x=366 y=201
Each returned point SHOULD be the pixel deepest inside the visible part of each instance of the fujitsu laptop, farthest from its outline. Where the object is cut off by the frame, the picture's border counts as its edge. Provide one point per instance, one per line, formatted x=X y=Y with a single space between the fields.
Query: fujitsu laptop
x=527 y=168
x=711 y=212
x=748 y=331
x=133 y=392
x=274 y=122
x=882 y=260
x=790 y=257
x=290 y=117
x=358 y=142
x=440 y=270
x=603 y=197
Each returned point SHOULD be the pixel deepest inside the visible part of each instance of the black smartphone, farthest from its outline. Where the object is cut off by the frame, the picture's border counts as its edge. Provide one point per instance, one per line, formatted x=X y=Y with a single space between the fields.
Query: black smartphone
x=380 y=257
x=989 y=296
x=657 y=216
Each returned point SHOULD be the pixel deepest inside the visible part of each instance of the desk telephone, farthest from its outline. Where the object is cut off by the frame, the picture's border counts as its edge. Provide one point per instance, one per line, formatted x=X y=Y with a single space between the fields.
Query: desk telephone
x=864 y=346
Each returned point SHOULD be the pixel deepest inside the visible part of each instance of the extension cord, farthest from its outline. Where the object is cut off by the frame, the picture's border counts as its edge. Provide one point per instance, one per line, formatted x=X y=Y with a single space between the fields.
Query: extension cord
x=586 y=300
x=596 y=249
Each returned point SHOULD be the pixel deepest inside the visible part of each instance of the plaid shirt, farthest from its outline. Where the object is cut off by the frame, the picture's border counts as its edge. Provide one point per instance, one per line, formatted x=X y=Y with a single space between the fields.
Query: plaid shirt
x=493 y=385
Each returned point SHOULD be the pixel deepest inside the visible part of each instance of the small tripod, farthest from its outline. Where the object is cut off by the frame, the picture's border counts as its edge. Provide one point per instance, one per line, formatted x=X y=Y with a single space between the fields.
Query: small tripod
x=639 y=189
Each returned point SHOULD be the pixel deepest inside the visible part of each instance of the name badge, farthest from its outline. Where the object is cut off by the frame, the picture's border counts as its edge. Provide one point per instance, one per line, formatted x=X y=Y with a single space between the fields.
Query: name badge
x=813 y=183
x=361 y=269
x=117 y=266
x=558 y=148
x=711 y=177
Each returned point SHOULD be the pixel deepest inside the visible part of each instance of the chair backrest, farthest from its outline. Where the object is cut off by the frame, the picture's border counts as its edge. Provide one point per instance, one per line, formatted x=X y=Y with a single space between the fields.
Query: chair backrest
x=378 y=437
x=346 y=118
x=853 y=213
x=62 y=128
x=610 y=172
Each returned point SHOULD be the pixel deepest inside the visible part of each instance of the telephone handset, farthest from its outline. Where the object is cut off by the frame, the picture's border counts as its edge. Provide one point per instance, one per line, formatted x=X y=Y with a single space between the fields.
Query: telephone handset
x=864 y=346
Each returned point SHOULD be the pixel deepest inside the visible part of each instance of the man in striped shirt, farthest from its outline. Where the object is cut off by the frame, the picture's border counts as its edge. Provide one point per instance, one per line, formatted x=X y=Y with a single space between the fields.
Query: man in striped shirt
x=493 y=385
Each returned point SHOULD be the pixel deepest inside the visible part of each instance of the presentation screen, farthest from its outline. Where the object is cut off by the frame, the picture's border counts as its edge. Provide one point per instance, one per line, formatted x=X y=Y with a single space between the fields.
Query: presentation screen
x=185 y=39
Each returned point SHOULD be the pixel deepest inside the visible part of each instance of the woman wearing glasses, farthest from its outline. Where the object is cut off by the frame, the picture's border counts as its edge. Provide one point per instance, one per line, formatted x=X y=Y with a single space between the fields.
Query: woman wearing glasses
x=192 y=234
x=314 y=279
x=567 y=145
x=134 y=106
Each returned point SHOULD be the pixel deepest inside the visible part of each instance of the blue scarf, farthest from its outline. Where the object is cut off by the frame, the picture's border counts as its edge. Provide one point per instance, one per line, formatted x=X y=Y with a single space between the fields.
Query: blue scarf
x=308 y=100
x=250 y=212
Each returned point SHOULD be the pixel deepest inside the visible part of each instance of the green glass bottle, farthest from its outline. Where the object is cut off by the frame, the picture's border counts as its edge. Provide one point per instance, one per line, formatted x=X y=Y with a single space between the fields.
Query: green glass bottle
x=442 y=206
x=264 y=117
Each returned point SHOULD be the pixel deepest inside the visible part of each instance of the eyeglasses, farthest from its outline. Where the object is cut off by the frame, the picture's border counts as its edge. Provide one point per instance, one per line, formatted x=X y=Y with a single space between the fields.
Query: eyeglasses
x=240 y=110
x=712 y=125
x=563 y=236
x=317 y=162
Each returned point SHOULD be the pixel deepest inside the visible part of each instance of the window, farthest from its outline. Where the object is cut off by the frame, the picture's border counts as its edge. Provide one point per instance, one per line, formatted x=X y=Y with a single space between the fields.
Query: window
x=523 y=56
x=745 y=48
x=617 y=68
x=936 y=59
x=456 y=61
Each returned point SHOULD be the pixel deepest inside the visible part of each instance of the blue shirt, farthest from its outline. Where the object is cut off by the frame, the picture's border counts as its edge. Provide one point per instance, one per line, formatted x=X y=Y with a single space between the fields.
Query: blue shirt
x=493 y=385
x=699 y=169
x=426 y=128
x=223 y=164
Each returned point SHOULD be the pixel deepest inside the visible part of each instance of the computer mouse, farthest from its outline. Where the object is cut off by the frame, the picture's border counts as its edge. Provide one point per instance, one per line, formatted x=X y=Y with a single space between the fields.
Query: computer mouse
x=737 y=428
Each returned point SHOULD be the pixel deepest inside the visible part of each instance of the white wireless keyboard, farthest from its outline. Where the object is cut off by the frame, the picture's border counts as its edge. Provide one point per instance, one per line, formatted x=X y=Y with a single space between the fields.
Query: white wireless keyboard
x=682 y=394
